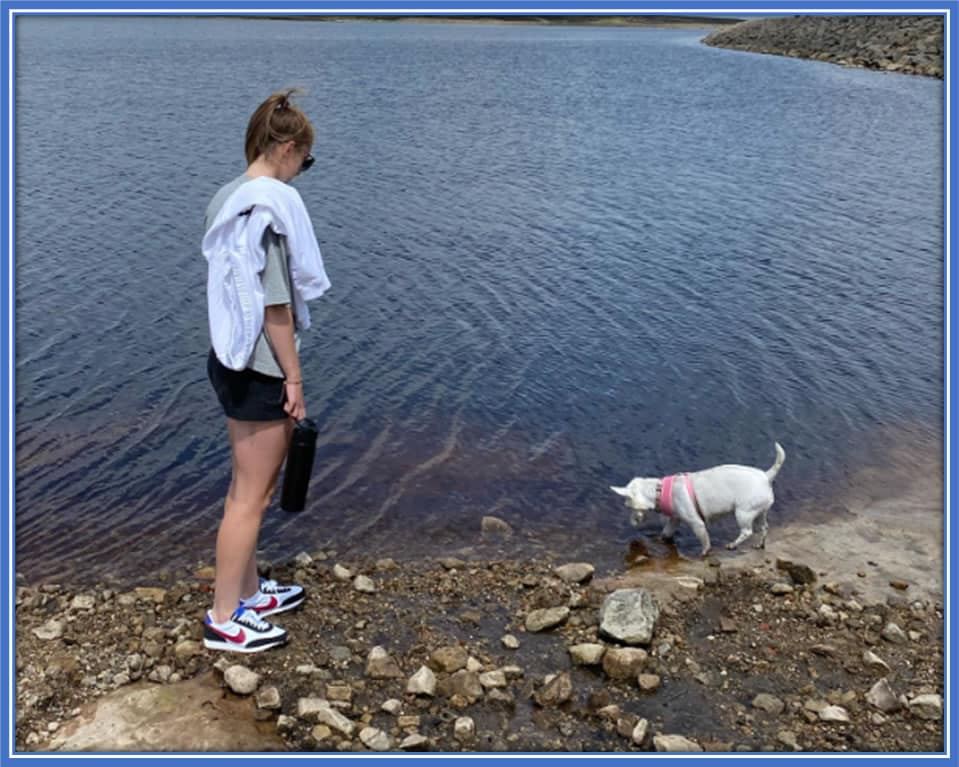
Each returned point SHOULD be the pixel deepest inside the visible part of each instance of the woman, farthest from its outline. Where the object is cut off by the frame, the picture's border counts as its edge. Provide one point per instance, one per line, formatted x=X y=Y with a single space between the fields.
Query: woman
x=262 y=398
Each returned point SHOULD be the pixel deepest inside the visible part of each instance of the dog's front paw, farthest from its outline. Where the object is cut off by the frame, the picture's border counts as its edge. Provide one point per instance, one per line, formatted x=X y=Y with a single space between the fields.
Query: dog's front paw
x=731 y=546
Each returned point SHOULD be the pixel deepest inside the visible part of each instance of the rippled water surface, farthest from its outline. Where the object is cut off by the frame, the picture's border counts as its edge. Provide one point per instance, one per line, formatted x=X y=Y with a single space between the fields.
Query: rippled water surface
x=560 y=257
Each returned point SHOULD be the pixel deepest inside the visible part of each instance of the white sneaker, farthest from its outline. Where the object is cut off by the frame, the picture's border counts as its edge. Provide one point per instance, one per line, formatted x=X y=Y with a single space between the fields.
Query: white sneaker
x=244 y=632
x=273 y=598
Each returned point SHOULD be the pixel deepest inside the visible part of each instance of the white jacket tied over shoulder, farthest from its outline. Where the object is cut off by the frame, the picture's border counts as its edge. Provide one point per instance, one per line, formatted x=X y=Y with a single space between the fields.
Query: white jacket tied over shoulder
x=233 y=247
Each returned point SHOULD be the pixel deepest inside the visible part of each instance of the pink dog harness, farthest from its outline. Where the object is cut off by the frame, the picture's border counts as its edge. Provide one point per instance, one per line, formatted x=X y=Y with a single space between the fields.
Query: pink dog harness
x=664 y=498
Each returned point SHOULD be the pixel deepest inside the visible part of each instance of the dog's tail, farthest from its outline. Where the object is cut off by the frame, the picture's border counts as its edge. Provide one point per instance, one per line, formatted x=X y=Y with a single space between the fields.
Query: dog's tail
x=773 y=470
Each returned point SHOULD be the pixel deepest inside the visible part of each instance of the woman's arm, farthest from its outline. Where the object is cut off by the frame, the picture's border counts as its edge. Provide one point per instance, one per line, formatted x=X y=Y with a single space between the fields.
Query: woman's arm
x=278 y=324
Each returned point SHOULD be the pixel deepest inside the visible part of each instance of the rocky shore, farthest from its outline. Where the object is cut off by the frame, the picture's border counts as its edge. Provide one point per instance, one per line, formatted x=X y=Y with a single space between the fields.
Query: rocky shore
x=458 y=654
x=908 y=44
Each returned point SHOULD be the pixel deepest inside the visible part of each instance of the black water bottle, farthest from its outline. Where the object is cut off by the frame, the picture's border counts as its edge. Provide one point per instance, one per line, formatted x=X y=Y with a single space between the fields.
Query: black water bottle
x=299 y=466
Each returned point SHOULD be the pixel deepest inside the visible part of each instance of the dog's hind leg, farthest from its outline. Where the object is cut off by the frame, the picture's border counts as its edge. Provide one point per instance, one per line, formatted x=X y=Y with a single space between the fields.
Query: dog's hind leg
x=745 y=519
x=763 y=526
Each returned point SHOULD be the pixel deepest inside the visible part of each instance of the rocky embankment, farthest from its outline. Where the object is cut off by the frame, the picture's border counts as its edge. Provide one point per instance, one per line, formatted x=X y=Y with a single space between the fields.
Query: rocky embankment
x=909 y=44
x=504 y=655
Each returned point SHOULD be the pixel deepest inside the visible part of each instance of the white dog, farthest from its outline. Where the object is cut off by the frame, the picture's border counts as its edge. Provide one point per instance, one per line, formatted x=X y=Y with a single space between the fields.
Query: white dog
x=702 y=495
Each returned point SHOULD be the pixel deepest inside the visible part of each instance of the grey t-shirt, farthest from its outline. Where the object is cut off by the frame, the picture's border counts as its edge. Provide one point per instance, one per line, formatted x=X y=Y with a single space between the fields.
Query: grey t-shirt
x=275 y=278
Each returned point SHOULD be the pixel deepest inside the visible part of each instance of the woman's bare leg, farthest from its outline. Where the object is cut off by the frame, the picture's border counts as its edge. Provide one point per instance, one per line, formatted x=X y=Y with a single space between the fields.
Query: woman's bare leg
x=251 y=577
x=259 y=448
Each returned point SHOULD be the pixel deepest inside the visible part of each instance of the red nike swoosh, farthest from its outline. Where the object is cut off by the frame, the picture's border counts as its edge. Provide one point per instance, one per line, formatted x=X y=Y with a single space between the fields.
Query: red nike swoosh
x=268 y=606
x=240 y=636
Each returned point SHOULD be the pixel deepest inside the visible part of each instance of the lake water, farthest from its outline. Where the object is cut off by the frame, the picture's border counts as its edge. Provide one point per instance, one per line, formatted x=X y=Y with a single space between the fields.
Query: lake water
x=560 y=257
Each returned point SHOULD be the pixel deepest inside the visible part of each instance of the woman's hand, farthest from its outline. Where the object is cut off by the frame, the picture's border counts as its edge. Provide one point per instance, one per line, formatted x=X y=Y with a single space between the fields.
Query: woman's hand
x=295 y=405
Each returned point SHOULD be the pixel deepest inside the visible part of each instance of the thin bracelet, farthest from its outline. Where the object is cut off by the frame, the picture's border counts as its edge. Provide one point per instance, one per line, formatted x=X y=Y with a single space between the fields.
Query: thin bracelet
x=293 y=383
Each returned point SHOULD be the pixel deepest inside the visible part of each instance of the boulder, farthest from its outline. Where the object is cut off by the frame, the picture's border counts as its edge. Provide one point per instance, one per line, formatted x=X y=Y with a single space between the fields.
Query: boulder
x=629 y=616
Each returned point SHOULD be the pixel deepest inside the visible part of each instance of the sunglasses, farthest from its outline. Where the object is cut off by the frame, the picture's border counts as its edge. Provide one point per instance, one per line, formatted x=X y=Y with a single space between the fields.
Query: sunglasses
x=307 y=162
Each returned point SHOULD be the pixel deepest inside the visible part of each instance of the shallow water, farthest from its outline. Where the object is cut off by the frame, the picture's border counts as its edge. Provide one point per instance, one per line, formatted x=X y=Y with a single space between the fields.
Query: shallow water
x=560 y=258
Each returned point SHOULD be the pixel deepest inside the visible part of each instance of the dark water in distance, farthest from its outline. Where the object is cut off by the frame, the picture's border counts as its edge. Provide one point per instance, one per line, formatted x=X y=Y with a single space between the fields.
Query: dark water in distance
x=560 y=257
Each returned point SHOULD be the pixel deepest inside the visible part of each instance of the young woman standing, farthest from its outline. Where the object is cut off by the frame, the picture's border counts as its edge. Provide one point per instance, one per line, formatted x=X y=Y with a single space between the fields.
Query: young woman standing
x=262 y=401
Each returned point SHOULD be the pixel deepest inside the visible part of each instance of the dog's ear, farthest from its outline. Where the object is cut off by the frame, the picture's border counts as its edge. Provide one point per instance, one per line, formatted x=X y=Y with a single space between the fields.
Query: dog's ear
x=620 y=491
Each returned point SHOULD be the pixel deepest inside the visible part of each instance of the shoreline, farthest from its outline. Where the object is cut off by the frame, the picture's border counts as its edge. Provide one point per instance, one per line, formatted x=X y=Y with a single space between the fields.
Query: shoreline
x=752 y=651
x=905 y=44
x=668 y=21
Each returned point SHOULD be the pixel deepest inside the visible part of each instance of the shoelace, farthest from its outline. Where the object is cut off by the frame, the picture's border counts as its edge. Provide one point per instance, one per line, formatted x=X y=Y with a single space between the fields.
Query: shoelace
x=270 y=586
x=249 y=619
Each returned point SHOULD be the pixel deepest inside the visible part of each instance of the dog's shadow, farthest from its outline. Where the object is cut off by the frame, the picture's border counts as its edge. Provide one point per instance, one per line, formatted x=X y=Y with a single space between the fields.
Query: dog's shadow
x=650 y=552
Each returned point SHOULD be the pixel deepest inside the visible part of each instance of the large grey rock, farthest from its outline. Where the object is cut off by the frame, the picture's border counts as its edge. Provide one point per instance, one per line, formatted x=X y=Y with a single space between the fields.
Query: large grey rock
x=184 y=716
x=550 y=617
x=629 y=616
x=882 y=697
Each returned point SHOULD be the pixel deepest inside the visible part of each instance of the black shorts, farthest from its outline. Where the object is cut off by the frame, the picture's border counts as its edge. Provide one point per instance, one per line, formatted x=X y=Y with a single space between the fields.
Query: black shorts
x=247 y=395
